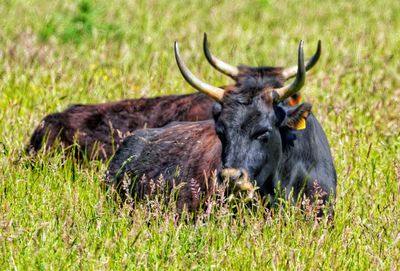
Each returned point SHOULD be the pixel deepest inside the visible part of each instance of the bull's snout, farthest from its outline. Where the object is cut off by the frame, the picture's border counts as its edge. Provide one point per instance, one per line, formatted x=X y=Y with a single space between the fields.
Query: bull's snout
x=238 y=179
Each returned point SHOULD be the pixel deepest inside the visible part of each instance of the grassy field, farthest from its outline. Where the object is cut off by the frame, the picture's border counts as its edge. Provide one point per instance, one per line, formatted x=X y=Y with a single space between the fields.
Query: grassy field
x=54 y=214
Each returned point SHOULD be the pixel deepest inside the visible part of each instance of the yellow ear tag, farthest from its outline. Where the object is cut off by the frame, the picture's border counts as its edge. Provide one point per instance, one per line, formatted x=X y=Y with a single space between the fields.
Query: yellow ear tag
x=301 y=124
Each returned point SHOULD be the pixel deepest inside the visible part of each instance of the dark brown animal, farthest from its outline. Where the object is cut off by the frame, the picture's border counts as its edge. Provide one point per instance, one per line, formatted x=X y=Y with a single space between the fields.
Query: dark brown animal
x=254 y=137
x=96 y=130
x=187 y=153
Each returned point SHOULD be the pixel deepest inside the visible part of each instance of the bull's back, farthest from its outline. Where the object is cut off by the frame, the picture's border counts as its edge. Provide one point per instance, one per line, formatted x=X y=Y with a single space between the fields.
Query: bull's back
x=98 y=129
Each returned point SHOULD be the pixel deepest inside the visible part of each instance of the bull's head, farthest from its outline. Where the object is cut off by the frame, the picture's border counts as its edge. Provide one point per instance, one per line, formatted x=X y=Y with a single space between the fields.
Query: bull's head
x=248 y=121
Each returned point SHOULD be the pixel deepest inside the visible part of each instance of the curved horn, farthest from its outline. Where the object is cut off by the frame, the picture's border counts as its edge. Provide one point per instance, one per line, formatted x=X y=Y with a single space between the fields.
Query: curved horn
x=287 y=91
x=214 y=92
x=218 y=64
x=291 y=72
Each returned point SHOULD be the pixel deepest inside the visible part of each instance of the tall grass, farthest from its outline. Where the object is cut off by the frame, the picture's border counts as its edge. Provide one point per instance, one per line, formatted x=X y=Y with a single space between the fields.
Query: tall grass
x=54 y=214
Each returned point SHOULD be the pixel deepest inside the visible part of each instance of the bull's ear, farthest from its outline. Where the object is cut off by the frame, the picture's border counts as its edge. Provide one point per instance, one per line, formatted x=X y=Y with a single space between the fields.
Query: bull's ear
x=294 y=99
x=296 y=116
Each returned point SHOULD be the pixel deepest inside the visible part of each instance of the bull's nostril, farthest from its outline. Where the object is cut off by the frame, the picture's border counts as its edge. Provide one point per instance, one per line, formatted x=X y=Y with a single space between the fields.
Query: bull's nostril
x=243 y=174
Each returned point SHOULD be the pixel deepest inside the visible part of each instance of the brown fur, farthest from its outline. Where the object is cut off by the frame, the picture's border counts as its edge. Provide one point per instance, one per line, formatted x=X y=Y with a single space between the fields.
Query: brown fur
x=98 y=129
x=160 y=152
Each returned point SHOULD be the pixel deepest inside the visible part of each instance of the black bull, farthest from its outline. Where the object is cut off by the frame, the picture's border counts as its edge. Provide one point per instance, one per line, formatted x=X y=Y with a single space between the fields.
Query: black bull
x=98 y=129
x=254 y=136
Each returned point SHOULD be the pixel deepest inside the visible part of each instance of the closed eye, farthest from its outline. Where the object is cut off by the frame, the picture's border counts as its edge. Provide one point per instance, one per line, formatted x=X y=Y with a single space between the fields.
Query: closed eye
x=262 y=134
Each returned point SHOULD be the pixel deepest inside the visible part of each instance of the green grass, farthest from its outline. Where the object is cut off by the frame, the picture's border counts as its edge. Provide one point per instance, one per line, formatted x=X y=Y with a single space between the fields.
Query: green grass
x=54 y=214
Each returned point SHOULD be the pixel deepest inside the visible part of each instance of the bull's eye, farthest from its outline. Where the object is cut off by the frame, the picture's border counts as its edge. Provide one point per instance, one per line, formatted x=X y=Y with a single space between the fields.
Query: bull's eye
x=262 y=135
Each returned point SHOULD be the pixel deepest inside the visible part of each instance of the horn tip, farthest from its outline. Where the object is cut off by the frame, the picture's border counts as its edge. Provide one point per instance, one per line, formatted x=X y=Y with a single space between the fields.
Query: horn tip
x=301 y=50
x=205 y=41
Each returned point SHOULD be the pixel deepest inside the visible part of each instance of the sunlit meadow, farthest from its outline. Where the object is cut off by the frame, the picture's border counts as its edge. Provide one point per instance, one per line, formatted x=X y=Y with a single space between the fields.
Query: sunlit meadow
x=56 y=215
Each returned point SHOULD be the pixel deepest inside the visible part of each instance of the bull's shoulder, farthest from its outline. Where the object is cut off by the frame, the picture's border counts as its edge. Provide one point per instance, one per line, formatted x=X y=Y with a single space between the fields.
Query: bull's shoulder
x=158 y=151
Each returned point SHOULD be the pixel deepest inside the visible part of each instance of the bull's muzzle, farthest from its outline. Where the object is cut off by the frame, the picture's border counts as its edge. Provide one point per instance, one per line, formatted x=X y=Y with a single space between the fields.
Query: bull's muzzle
x=238 y=181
